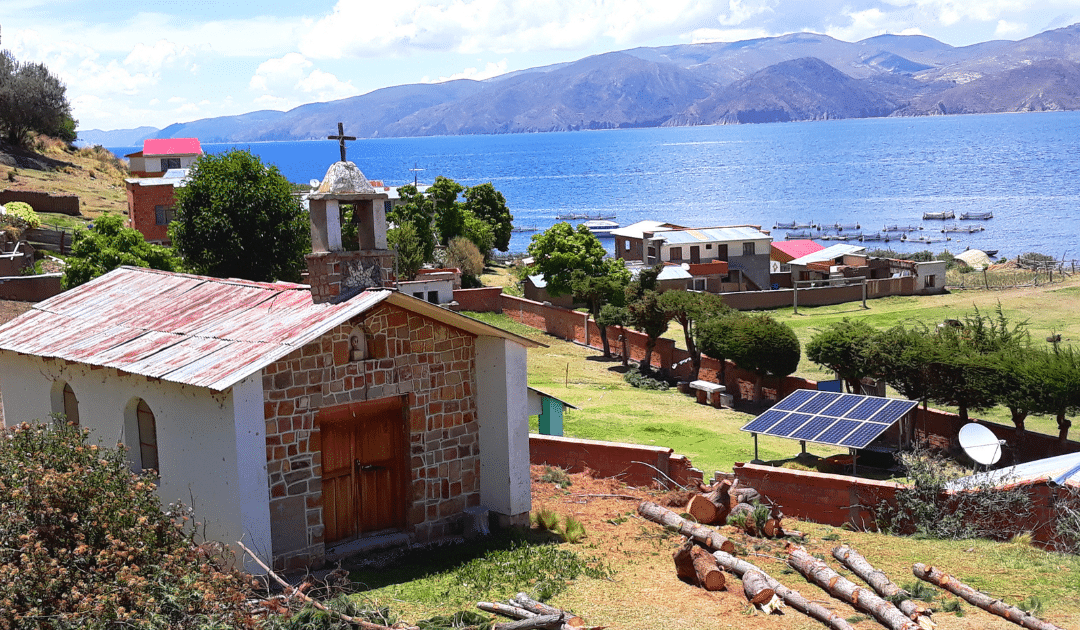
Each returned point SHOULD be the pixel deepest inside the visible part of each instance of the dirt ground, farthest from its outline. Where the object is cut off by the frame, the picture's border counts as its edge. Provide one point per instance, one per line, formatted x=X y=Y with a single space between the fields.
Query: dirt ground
x=645 y=592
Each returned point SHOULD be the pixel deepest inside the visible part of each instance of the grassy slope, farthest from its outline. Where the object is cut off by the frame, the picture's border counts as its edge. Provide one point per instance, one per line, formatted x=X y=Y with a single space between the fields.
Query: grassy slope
x=94 y=175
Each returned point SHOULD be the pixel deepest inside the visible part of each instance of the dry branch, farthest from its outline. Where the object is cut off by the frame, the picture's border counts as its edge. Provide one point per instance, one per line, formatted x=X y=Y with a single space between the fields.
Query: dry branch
x=982 y=600
x=792 y=597
x=845 y=590
x=540 y=621
x=506 y=610
x=364 y=625
x=540 y=608
x=860 y=566
x=706 y=536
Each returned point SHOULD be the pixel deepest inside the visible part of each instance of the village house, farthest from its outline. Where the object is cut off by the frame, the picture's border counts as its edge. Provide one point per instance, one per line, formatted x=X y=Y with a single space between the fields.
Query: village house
x=847 y=263
x=744 y=250
x=304 y=420
x=160 y=155
x=157 y=171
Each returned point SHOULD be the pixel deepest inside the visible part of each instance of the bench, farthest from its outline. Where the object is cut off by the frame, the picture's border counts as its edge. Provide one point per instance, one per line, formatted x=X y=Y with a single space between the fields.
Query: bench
x=711 y=394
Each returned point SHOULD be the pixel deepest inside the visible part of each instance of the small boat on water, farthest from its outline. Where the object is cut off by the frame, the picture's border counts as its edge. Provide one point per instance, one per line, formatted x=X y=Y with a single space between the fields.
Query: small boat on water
x=583 y=216
x=945 y=215
x=793 y=225
x=846 y=236
x=601 y=228
x=798 y=235
x=990 y=252
x=840 y=227
x=524 y=228
x=926 y=239
x=967 y=229
x=976 y=216
x=901 y=228
x=875 y=236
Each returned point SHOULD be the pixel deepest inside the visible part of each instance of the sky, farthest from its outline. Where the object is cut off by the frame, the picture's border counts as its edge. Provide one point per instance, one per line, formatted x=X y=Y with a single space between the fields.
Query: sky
x=154 y=63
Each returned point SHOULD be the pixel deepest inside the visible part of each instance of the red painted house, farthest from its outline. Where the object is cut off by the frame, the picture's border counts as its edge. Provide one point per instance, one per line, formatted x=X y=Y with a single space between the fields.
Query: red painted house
x=158 y=170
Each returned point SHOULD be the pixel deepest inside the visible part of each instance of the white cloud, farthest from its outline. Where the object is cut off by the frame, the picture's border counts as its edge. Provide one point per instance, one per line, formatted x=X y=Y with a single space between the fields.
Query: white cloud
x=283 y=73
x=291 y=80
x=1008 y=29
x=153 y=58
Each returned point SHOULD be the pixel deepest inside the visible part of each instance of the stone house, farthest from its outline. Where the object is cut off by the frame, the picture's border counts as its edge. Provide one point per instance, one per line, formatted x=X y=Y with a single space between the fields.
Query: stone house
x=301 y=419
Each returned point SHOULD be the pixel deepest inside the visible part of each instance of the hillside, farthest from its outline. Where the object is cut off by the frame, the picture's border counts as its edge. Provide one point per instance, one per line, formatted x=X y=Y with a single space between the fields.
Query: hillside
x=93 y=174
x=799 y=76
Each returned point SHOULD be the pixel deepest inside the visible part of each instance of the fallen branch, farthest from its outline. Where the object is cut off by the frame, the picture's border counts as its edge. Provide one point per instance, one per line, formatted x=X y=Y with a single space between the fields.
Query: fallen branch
x=364 y=625
x=706 y=536
x=982 y=600
x=860 y=566
x=790 y=596
x=540 y=621
x=607 y=496
x=506 y=610
x=540 y=608
x=847 y=591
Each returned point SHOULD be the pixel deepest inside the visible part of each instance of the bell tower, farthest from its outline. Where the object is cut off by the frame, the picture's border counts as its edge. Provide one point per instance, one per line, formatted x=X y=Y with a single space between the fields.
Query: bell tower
x=335 y=273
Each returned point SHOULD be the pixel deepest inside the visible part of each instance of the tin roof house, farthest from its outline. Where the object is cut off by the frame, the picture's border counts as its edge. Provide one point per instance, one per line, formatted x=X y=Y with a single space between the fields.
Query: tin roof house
x=301 y=419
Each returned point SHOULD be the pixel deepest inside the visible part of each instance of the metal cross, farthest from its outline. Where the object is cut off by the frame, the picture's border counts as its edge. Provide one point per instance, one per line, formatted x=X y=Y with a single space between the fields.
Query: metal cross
x=341 y=138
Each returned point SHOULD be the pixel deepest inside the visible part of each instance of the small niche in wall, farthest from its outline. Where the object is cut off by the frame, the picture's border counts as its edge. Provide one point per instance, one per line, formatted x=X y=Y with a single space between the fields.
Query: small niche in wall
x=361 y=344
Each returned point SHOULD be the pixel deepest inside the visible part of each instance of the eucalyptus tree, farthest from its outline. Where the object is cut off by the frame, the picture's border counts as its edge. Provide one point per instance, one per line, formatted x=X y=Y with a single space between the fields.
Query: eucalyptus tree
x=606 y=286
x=646 y=314
x=689 y=309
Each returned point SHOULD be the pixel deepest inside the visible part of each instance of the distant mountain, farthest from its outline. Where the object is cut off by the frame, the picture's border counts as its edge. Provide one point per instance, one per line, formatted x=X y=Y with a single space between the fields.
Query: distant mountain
x=116 y=138
x=800 y=76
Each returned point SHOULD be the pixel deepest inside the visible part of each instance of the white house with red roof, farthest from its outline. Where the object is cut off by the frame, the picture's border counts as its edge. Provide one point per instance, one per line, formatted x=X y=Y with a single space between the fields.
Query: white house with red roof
x=160 y=168
x=783 y=252
x=160 y=155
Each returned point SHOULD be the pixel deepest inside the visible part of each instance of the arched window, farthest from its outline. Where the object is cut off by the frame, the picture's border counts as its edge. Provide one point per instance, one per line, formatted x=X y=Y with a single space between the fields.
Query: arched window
x=148 y=452
x=65 y=402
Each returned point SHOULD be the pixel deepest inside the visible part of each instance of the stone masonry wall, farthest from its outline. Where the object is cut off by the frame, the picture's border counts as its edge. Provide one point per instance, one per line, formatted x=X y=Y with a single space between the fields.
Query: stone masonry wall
x=429 y=364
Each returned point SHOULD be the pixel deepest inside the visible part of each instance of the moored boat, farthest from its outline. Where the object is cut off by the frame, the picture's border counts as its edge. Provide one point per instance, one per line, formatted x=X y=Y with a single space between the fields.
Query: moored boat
x=976 y=216
x=945 y=215
x=901 y=228
x=793 y=225
x=601 y=227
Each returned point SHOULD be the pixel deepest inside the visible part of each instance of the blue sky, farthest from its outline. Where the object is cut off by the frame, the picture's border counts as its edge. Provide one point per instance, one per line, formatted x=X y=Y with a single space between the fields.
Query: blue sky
x=130 y=64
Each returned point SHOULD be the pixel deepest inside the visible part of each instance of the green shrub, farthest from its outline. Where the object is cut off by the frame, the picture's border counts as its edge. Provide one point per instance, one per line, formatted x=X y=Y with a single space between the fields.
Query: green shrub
x=546 y=519
x=24 y=211
x=557 y=476
x=641 y=381
x=84 y=543
x=572 y=530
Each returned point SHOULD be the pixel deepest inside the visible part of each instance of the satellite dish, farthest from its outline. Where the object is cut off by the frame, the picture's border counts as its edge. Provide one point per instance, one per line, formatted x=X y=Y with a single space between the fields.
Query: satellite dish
x=980 y=444
x=314 y=183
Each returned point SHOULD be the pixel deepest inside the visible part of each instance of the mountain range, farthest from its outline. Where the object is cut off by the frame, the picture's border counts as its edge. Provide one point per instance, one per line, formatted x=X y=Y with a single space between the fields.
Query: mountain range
x=801 y=76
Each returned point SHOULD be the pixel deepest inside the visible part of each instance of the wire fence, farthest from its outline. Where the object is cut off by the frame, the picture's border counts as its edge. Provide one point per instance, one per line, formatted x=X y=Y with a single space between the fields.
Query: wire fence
x=1026 y=273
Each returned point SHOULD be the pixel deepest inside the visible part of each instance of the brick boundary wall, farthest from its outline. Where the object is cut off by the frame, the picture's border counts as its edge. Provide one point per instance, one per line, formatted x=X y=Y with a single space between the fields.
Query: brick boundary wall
x=485 y=300
x=43 y=202
x=30 y=288
x=613 y=459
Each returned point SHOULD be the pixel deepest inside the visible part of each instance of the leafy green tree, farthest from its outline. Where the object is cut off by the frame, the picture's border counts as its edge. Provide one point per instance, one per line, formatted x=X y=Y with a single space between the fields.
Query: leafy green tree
x=689 y=309
x=612 y=315
x=489 y=205
x=32 y=100
x=108 y=245
x=410 y=250
x=764 y=346
x=714 y=338
x=237 y=218
x=899 y=357
x=609 y=286
x=479 y=232
x=561 y=249
x=418 y=211
x=449 y=214
x=646 y=313
x=1058 y=373
x=845 y=347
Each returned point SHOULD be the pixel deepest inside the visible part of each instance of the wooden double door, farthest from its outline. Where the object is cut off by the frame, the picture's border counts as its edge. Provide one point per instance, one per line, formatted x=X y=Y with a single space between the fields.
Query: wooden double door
x=364 y=476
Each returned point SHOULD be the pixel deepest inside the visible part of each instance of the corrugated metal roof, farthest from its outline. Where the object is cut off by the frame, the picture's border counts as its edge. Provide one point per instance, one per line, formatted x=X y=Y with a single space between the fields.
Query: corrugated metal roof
x=829 y=253
x=194 y=330
x=1058 y=470
x=637 y=230
x=797 y=248
x=171 y=146
x=713 y=235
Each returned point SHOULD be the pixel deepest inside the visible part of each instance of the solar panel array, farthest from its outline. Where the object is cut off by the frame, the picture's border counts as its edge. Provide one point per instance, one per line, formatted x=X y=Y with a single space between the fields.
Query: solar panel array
x=834 y=418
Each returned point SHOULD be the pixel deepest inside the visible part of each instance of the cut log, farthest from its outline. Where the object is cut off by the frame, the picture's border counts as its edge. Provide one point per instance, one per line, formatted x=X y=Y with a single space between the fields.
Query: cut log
x=757 y=588
x=710 y=507
x=506 y=610
x=860 y=566
x=541 y=621
x=540 y=608
x=696 y=566
x=847 y=591
x=706 y=536
x=792 y=597
x=982 y=600
x=746 y=495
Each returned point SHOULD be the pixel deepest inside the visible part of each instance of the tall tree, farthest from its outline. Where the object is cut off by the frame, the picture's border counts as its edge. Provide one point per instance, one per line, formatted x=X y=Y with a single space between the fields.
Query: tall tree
x=561 y=249
x=1058 y=373
x=32 y=100
x=489 y=205
x=845 y=347
x=689 y=309
x=646 y=314
x=611 y=315
x=899 y=357
x=418 y=211
x=237 y=218
x=764 y=346
x=449 y=214
x=109 y=244
x=715 y=336
x=607 y=287
x=410 y=251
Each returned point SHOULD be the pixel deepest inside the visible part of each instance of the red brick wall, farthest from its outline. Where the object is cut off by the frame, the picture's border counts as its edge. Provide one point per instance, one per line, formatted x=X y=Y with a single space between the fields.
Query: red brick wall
x=30 y=288
x=43 y=201
x=613 y=459
x=429 y=364
x=485 y=300
x=141 y=214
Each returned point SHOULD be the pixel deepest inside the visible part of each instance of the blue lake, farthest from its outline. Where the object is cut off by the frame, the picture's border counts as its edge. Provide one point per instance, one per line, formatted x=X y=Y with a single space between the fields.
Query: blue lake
x=1025 y=168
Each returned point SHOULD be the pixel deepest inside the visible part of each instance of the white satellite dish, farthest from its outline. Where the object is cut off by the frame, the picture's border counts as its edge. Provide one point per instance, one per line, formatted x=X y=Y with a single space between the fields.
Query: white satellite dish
x=314 y=183
x=980 y=444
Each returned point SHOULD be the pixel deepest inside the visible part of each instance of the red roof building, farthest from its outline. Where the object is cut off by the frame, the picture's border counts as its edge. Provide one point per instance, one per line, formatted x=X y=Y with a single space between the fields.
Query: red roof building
x=157 y=170
x=161 y=154
x=784 y=252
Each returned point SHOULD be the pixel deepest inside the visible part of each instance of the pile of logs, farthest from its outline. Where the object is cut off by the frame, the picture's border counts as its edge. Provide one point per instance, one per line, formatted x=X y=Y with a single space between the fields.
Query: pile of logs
x=728 y=503
x=532 y=614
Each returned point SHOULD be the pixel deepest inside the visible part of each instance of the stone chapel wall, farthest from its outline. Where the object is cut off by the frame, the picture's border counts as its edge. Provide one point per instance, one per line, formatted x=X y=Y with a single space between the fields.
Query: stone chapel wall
x=432 y=365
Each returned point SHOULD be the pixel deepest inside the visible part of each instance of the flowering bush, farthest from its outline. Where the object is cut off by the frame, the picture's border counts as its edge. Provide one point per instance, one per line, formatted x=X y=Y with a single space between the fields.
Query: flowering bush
x=84 y=543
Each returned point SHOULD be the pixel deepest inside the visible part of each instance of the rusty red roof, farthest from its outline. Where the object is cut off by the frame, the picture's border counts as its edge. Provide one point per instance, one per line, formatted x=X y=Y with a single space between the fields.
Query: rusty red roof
x=172 y=146
x=195 y=330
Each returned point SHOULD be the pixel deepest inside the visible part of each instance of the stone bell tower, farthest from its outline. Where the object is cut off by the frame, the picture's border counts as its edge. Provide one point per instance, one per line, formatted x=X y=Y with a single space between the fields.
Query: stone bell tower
x=334 y=273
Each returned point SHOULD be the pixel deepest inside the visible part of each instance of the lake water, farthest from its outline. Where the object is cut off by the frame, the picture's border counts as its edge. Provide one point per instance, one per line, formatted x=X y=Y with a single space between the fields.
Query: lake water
x=1025 y=168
